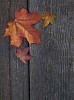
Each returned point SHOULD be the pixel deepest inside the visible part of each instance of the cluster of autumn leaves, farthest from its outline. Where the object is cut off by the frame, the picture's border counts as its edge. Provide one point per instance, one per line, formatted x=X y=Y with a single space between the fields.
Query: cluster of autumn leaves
x=22 y=27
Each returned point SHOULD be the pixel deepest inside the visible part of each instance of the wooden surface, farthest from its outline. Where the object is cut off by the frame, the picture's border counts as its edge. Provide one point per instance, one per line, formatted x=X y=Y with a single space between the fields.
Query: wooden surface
x=13 y=74
x=4 y=55
x=50 y=73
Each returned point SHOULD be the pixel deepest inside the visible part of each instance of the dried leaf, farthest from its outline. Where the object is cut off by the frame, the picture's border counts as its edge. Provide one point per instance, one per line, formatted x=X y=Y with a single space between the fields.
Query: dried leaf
x=22 y=27
x=48 y=18
x=23 y=54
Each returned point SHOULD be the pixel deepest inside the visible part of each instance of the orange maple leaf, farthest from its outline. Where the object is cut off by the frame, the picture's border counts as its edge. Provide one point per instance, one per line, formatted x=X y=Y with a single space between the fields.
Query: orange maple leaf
x=22 y=27
x=23 y=54
x=48 y=18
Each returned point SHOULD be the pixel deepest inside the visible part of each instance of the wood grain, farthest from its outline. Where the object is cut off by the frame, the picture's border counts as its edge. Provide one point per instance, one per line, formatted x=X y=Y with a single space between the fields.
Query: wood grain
x=18 y=70
x=51 y=68
x=52 y=65
x=4 y=53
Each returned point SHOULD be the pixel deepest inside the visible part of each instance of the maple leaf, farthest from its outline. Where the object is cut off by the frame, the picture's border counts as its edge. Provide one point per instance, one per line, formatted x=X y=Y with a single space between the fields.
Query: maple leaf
x=23 y=54
x=22 y=27
x=48 y=18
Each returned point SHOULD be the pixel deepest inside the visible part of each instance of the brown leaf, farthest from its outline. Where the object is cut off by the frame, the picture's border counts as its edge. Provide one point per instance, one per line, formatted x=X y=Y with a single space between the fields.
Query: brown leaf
x=22 y=27
x=23 y=54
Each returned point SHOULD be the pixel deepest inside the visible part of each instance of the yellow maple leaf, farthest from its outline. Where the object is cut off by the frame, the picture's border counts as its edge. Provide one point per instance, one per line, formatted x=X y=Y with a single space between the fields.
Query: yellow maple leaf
x=48 y=18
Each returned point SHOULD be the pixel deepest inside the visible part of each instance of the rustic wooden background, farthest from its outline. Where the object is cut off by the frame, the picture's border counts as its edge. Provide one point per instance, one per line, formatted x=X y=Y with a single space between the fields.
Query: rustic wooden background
x=50 y=73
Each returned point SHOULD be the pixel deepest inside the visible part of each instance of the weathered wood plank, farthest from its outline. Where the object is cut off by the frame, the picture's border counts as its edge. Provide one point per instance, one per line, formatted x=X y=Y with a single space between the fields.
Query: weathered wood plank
x=4 y=53
x=51 y=68
x=18 y=70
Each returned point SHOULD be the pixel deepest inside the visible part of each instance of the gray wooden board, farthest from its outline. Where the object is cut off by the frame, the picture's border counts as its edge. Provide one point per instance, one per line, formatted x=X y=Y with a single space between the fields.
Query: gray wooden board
x=51 y=68
x=14 y=81
x=4 y=53
x=18 y=70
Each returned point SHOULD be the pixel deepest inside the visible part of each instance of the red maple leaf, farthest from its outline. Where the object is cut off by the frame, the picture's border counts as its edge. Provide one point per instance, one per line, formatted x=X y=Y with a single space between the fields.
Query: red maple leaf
x=23 y=54
x=22 y=27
